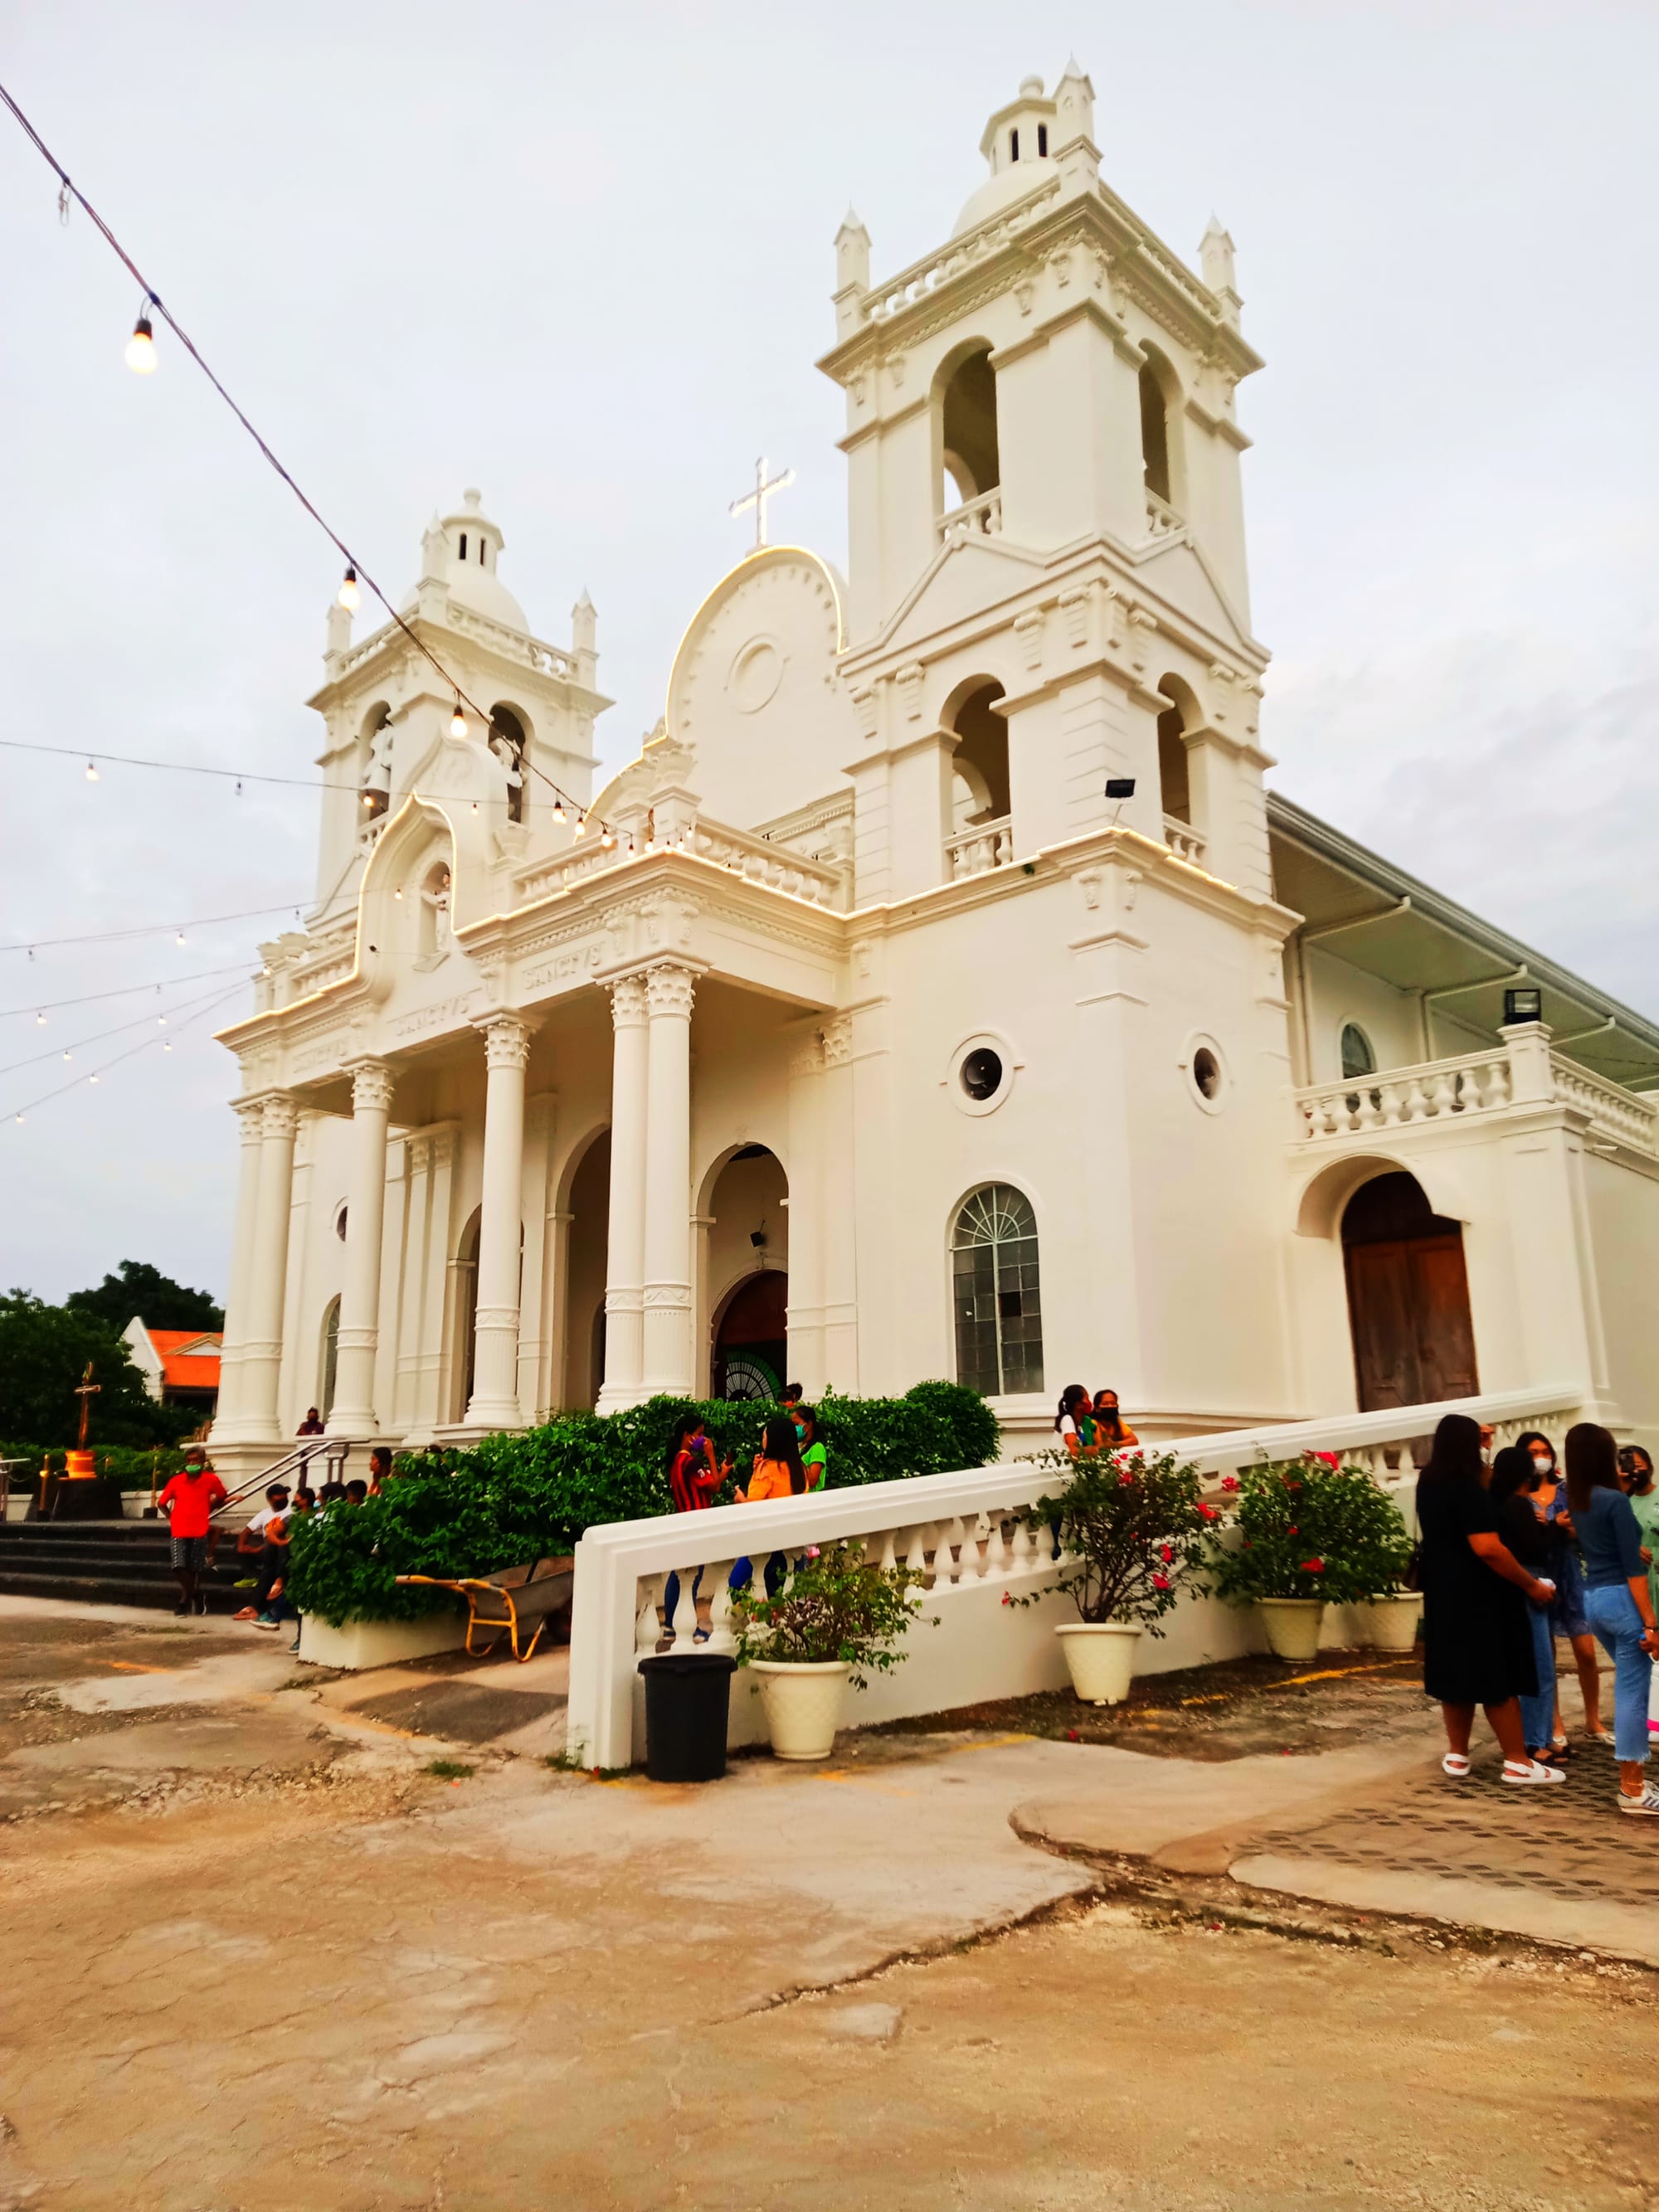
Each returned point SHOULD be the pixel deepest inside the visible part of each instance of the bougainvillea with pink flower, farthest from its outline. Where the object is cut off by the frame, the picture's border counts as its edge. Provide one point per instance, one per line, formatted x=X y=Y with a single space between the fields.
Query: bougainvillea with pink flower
x=1309 y=1529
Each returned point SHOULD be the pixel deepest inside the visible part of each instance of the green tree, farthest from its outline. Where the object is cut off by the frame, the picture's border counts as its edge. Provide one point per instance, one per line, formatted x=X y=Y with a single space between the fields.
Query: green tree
x=143 y=1292
x=43 y=1351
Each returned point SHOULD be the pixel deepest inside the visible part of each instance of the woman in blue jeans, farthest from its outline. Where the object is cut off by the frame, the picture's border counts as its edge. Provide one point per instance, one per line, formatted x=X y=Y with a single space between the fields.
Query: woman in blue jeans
x=1618 y=1601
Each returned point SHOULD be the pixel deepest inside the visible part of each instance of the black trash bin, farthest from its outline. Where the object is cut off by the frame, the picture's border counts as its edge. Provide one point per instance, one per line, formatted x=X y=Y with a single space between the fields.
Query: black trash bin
x=687 y=1694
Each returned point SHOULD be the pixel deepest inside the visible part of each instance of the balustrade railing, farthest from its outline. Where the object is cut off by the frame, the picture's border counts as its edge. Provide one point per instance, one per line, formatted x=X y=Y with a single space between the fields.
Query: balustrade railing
x=983 y=846
x=968 y=1536
x=1182 y=840
x=1614 y=1112
x=1474 y=1082
x=1161 y=518
x=975 y=518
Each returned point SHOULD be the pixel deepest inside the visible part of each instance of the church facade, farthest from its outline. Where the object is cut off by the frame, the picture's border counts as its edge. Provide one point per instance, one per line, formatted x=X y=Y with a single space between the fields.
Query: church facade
x=941 y=991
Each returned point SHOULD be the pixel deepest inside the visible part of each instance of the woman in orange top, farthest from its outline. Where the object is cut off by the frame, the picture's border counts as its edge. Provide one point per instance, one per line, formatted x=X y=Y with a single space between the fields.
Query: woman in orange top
x=1111 y=1429
x=778 y=1474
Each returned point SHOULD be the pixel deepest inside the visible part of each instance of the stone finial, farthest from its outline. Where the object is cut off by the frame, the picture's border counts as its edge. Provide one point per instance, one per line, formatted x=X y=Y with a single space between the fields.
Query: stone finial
x=1074 y=103
x=339 y=631
x=583 y=625
x=1215 y=261
x=852 y=262
x=434 y=553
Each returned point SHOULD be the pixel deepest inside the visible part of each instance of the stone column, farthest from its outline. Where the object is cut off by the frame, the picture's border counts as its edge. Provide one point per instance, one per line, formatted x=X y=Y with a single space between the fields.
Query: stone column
x=431 y=1404
x=250 y=1112
x=495 y=1363
x=624 y=1272
x=667 y=1332
x=807 y=1193
x=838 y=1209
x=262 y=1348
x=412 y=1272
x=353 y=1411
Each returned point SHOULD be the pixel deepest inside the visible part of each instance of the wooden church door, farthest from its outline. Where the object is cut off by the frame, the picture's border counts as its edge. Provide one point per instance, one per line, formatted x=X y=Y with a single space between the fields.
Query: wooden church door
x=1409 y=1297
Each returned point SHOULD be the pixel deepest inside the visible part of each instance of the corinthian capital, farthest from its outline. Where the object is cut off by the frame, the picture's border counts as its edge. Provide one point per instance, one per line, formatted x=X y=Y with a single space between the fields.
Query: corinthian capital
x=280 y=1117
x=371 y=1087
x=507 y=1041
x=627 y=1001
x=670 y=990
x=250 y=1112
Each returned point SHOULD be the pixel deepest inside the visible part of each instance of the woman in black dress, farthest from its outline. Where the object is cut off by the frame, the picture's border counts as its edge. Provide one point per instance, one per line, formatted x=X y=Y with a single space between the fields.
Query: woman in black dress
x=1477 y=1639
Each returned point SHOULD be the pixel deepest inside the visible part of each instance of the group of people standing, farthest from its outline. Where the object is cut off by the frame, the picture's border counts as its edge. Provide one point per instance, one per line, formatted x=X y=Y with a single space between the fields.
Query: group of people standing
x=793 y=1460
x=1088 y=1425
x=1513 y=1557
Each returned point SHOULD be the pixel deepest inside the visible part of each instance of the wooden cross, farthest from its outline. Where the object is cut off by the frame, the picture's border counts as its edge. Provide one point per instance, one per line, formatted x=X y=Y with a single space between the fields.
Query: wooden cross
x=86 y=1390
x=757 y=498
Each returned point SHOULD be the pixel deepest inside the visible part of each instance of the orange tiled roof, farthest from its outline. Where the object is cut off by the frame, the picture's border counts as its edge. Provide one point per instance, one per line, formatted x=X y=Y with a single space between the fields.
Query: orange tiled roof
x=196 y=1368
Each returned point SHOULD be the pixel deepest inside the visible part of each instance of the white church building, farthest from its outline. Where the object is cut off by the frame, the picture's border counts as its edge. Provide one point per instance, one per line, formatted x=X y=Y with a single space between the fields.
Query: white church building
x=940 y=992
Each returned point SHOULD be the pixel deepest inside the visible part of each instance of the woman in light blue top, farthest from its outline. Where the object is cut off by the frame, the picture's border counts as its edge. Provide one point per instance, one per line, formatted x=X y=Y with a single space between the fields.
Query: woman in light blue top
x=1617 y=1600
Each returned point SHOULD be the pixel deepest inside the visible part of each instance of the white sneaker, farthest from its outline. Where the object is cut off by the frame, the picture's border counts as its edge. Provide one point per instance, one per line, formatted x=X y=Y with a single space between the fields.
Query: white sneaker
x=1646 y=1807
x=1530 y=1773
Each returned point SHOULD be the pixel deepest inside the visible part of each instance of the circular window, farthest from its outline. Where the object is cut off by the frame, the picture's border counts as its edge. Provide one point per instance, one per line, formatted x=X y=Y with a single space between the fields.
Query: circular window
x=755 y=675
x=980 y=1073
x=1206 y=1072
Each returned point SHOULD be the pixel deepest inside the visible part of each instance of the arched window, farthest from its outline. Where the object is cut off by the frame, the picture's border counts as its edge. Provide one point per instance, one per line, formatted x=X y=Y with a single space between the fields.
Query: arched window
x=1357 y=1057
x=968 y=429
x=980 y=766
x=376 y=746
x=506 y=742
x=331 y=1356
x=1174 y=774
x=999 y=1305
x=1160 y=434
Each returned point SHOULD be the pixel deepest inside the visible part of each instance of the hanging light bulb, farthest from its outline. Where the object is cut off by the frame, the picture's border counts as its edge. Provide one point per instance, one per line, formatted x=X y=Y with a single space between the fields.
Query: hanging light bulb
x=92 y=1079
x=179 y=938
x=92 y=773
x=162 y=1021
x=581 y=825
x=20 y=1117
x=67 y=1055
x=457 y=721
x=399 y=892
x=475 y=806
x=607 y=840
x=140 y=355
x=630 y=844
x=558 y=809
x=349 y=596
x=167 y=1044
x=40 y=1021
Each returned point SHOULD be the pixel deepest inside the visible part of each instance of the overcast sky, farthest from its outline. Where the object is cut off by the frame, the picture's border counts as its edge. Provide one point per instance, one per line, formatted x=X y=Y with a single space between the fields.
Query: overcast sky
x=582 y=258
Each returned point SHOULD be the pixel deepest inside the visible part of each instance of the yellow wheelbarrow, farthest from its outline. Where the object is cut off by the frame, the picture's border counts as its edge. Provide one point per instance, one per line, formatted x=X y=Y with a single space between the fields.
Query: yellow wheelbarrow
x=510 y=1599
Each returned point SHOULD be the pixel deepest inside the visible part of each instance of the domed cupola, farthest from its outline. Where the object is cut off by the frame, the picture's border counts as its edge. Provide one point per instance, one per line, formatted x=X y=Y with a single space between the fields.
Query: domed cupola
x=1016 y=145
x=471 y=550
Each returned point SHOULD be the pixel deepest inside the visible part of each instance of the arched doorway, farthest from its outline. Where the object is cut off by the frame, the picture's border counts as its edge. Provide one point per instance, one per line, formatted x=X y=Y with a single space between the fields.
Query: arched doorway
x=588 y=1232
x=747 y=1273
x=463 y=1366
x=1408 y=1296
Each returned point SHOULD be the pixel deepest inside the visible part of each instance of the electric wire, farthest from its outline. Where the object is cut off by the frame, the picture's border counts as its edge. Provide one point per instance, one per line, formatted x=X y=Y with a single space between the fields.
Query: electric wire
x=148 y=1018
x=41 y=1007
x=34 y=945
x=67 y=191
x=17 y=1113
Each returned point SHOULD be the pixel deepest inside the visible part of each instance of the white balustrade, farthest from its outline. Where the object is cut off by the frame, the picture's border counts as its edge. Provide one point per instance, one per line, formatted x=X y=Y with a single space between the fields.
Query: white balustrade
x=1162 y=520
x=982 y=846
x=1614 y=1112
x=1183 y=841
x=975 y=518
x=883 y=301
x=1466 y=1084
x=969 y=1537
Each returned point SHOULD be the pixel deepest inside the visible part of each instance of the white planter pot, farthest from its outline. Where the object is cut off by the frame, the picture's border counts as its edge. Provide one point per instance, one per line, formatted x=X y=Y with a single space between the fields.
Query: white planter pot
x=379 y=1643
x=1389 y=1624
x=803 y=1703
x=1292 y=1625
x=1101 y=1655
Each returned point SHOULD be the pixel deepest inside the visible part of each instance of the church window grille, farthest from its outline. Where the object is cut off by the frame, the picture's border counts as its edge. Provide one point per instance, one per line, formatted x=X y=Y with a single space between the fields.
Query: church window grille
x=1042 y=140
x=463 y=545
x=1014 y=145
x=997 y=1295
x=331 y=1357
x=1357 y=1057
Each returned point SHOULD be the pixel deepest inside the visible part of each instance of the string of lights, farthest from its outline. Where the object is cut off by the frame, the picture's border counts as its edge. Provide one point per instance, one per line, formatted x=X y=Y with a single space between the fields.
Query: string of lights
x=152 y=929
x=141 y=356
x=143 y=1045
x=41 y=1007
x=139 y=1021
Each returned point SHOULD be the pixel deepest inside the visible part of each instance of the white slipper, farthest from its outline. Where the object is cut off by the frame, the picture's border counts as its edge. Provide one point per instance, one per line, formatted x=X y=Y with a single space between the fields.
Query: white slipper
x=1456 y=1763
x=1530 y=1773
x=1599 y=1736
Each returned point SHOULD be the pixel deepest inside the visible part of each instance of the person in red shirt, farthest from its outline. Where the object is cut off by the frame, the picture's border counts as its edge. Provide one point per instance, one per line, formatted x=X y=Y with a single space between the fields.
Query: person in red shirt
x=694 y=1476
x=188 y=1502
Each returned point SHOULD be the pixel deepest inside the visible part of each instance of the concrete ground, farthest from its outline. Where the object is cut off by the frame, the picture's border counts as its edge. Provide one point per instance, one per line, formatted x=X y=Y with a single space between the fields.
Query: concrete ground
x=259 y=1957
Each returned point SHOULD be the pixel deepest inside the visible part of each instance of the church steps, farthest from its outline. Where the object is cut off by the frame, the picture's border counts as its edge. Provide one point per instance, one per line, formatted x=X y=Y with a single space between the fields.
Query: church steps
x=111 y=1563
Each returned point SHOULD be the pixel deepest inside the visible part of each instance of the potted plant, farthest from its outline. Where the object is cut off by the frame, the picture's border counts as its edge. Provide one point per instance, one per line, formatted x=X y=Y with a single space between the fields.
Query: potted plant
x=1311 y=1533
x=833 y=1620
x=1132 y=1528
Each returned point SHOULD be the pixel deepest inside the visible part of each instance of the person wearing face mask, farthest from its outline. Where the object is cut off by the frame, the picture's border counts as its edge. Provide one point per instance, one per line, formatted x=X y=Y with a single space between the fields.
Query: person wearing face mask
x=1568 y=1616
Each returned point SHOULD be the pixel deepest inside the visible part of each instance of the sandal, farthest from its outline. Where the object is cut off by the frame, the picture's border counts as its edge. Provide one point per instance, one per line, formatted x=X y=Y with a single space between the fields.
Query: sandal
x=1530 y=1773
x=1456 y=1763
x=700 y=1635
x=1599 y=1736
x=1560 y=1747
x=248 y=1613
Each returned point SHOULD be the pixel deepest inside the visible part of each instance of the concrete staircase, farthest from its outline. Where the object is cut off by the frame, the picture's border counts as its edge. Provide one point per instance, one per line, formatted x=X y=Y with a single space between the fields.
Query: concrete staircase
x=111 y=1563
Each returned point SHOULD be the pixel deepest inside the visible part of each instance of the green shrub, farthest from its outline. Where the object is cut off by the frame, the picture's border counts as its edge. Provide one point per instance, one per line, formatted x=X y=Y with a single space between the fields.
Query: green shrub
x=1134 y=1527
x=520 y=1496
x=1311 y=1528
x=834 y=1605
x=127 y=1464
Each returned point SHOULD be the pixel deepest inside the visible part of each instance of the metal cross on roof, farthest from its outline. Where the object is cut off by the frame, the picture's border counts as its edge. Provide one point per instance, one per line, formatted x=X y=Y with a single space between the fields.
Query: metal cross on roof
x=757 y=498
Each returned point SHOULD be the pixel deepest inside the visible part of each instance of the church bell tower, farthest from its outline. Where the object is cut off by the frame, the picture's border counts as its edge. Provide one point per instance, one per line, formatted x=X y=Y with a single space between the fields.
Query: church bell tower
x=1048 y=586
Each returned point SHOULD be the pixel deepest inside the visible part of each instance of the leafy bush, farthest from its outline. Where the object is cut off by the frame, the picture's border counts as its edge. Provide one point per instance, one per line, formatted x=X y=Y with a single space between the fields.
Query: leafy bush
x=834 y=1605
x=127 y=1464
x=1136 y=1526
x=519 y=1496
x=1313 y=1528
x=43 y=1351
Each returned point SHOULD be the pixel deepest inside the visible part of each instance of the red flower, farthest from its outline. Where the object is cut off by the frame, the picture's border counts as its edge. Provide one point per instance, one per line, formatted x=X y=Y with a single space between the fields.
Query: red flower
x=1071 y=1735
x=1325 y=1458
x=1313 y=1566
x=1167 y=1554
x=1292 y=1530
x=1007 y=1598
x=1289 y=1485
x=1230 y=1482
x=1160 y=1582
x=1208 y=1511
